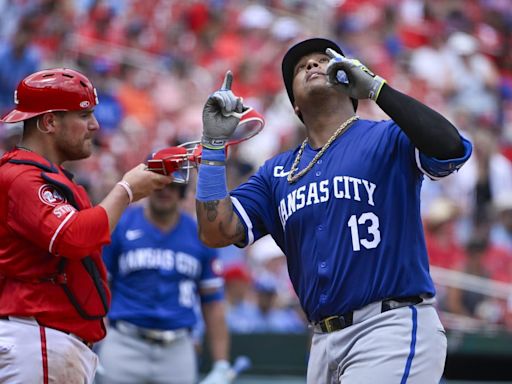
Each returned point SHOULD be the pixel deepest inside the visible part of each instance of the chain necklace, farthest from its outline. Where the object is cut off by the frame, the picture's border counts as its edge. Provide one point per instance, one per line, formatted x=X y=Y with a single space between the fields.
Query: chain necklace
x=293 y=176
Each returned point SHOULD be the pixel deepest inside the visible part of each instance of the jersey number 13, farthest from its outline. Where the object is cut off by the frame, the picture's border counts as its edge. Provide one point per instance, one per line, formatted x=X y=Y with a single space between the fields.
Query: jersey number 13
x=372 y=222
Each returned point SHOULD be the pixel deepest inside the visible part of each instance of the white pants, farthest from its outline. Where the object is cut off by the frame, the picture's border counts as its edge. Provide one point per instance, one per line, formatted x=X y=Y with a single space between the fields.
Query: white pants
x=404 y=345
x=32 y=354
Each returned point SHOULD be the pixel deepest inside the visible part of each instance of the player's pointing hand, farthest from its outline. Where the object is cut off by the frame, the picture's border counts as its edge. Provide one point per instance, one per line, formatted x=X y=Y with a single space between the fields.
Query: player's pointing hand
x=227 y=100
x=221 y=115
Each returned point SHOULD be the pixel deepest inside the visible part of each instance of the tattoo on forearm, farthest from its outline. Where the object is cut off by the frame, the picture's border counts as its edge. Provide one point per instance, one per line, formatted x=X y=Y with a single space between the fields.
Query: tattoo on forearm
x=211 y=208
x=239 y=229
x=213 y=213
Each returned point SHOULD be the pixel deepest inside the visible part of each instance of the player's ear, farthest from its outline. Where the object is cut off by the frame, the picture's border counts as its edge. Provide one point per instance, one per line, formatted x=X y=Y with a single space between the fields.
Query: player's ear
x=46 y=123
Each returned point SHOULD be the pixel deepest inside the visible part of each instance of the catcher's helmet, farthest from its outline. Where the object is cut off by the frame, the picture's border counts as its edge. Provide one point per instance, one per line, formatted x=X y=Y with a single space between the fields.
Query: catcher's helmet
x=299 y=50
x=50 y=90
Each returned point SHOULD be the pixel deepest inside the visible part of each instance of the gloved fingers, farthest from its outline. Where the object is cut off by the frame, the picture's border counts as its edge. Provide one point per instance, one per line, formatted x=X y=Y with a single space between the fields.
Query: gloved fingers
x=226 y=100
x=333 y=54
x=238 y=110
x=228 y=81
x=239 y=105
x=336 y=73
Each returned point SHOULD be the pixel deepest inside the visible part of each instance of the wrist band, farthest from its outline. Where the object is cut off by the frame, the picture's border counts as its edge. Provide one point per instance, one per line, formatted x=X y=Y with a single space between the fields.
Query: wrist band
x=378 y=83
x=127 y=187
x=211 y=183
x=213 y=154
x=212 y=162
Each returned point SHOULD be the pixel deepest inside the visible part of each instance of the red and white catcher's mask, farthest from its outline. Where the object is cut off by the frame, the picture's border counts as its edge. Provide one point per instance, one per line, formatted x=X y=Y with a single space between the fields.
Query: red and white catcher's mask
x=178 y=161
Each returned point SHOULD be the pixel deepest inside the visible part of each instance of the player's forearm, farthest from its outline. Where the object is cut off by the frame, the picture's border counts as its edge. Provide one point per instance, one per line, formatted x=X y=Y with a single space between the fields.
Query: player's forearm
x=219 y=225
x=216 y=330
x=114 y=204
x=429 y=131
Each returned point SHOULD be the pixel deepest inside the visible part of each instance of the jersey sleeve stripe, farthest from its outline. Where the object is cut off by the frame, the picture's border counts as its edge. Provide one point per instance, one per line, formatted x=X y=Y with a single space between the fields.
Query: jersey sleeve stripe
x=212 y=283
x=420 y=167
x=59 y=229
x=245 y=217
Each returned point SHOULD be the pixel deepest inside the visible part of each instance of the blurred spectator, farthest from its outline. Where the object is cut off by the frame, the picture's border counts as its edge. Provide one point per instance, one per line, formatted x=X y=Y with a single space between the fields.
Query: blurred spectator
x=472 y=304
x=240 y=307
x=443 y=247
x=269 y=316
x=501 y=231
x=18 y=58
x=474 y=78
x=109 y=111
x=269 y=261
x=428 y=61
x=251 y=304
x=10 y=136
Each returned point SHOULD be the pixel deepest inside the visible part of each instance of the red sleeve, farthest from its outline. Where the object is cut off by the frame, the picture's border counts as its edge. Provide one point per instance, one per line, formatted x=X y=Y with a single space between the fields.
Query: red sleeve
x=41 y=214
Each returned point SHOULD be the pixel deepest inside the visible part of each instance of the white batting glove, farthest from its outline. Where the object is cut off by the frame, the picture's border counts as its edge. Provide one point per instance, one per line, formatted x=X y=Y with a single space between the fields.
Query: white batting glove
x=221 y=373
x=362 y=83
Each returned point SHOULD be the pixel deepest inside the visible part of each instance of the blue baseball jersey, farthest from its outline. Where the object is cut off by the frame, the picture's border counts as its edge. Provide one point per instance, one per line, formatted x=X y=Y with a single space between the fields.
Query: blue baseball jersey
x=156 y=276
x=351 y=227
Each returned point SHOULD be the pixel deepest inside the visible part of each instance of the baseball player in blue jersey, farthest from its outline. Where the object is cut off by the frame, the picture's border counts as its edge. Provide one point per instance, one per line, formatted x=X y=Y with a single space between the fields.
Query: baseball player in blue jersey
x=158 y=268
x=345 y=209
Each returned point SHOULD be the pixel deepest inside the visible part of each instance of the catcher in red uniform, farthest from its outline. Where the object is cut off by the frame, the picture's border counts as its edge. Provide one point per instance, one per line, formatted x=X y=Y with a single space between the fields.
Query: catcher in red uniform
x=53 y=289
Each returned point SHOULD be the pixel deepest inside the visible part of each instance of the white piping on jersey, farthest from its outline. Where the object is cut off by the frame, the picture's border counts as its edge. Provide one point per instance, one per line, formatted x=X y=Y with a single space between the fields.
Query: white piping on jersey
x=246 y=219
x=216 y=282
x=59 y=229
x=418 y=163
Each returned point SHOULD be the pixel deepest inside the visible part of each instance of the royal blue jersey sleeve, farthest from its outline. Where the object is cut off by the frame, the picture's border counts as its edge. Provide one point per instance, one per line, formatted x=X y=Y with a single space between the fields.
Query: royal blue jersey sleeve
x=252 y=202
x=436 y=169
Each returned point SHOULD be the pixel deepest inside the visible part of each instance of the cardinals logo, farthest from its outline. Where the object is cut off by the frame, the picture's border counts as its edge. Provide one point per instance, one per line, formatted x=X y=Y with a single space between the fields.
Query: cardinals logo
x=50 y=195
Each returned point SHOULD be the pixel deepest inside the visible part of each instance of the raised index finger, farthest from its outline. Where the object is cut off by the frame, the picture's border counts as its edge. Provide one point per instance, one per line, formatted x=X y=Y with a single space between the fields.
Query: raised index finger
x=228 y=80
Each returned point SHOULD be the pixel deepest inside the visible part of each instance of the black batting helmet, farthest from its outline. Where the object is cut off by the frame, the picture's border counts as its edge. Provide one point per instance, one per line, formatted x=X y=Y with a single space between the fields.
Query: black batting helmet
x=299 y=50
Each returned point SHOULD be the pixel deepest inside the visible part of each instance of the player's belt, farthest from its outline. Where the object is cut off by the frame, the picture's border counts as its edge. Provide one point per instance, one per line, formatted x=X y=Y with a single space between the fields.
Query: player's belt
x=156 y=336
x=337 y=322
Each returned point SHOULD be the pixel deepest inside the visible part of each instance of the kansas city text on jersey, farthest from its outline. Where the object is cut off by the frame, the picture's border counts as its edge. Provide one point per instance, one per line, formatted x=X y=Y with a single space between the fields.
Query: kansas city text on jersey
x=340 y=187
x=155 y=258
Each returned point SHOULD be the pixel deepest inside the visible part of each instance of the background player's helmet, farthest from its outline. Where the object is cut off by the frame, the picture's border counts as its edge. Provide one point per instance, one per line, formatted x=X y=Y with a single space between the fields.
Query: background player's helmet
x=51 y=90
x=299 y=50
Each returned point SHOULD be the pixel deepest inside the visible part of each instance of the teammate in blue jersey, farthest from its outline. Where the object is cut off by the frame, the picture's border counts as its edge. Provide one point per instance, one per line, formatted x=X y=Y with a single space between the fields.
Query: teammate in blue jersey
x=158 y=268
x=345 y=209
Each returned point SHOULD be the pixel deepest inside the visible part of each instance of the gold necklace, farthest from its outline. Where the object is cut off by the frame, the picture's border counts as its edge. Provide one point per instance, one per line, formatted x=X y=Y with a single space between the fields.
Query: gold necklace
x=292 y=177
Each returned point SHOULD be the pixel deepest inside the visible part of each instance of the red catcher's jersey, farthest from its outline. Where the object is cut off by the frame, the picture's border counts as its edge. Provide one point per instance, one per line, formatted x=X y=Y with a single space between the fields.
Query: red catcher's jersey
x=50 y=247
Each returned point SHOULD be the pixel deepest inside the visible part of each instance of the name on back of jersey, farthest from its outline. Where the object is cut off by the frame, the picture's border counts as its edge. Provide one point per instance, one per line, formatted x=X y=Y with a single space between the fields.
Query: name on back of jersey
x=318 y=192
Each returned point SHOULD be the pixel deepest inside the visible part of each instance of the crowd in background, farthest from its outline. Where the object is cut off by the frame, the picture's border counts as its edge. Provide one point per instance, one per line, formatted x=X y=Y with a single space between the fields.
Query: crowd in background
x=155 y=62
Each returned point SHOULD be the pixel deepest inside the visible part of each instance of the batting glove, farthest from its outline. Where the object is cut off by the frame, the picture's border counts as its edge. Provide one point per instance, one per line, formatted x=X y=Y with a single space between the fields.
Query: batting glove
x=357 y=81
x=221 y=115
x=220 y=374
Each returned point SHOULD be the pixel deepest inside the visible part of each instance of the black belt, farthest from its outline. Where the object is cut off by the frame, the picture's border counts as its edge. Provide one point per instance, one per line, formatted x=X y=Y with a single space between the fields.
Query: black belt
x=337 y=322
x=153 y=336
x=87 y=343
